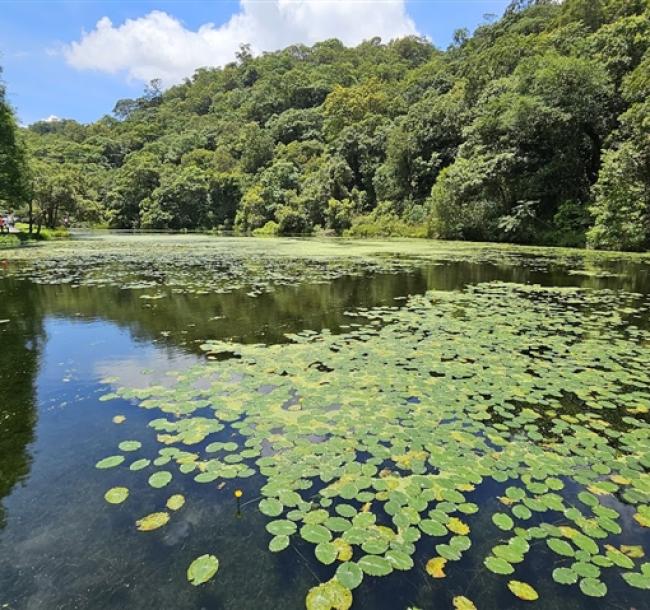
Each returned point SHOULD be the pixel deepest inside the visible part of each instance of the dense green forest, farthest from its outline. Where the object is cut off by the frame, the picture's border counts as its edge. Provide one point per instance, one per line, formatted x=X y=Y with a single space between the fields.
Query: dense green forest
x=535 y=129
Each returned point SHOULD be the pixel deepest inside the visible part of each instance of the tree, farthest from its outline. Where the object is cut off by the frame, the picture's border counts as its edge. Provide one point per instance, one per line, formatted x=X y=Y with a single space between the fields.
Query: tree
x=621 y=207
x=14 y=174
x=346 y=106
x=425 y=141
x=181 y=201
x=62 y=191
x=134 y=182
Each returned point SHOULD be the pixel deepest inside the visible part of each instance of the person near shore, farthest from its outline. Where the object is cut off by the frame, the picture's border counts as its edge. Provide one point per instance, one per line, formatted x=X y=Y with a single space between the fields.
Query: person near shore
x=2 y=224
x=11 y=222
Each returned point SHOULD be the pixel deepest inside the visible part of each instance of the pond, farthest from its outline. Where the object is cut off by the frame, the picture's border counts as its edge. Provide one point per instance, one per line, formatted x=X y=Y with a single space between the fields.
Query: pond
x=407 y=424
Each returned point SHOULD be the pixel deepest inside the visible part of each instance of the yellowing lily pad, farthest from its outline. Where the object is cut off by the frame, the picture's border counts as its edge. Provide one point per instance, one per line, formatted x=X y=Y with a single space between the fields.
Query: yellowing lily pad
x=523 y=590
x=457 y=526
x=642 y=519
x=435 y=567
x=152 y=522
x=463 y=603
x=330 y=595
x=634 y=551
x=176 y=502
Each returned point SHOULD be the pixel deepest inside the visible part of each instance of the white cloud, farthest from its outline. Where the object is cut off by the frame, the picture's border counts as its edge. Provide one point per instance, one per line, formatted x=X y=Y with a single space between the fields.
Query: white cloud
x=159 y=46
x=51 y=119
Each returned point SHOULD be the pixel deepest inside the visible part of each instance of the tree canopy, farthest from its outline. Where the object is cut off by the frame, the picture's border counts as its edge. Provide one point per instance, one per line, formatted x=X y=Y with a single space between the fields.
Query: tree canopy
x=14 y=176
x=534 y=129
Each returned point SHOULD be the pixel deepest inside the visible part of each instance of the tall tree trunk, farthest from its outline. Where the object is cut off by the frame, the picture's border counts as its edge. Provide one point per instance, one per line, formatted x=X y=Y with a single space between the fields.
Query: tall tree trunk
x=31 y=215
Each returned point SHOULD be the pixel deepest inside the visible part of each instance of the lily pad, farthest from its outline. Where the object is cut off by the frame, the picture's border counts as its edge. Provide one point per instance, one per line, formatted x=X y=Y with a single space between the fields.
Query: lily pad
x=593 y=587
x=326 y=552
x=271 y=507
x=139 y=464
x=374 y=565
x=436 y=567
x=565 y=576
x=331 y=595
x=110 y=462
x=461 y=602
x=523 y=590
x=498 y=566
x=560 y=547
x=278 y=543
x=317 y=534
x=160 y=479
x=637 y=579
x=502 y=521
x=202 y=569
x=349 y=574
x=175 y=502
x=281 y=527
x=399 y=560
x=116 y=495
x=152 y=522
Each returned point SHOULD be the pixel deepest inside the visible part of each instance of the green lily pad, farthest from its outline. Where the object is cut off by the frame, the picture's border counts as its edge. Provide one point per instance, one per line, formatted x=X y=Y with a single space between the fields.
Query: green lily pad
x=271 y=507
x=316 y=534
x=110 y=462
x=278 y=543
x=593 y=587
x=521 y=512
x=326 y=552
x=202 y=569
x=565 y=576
x=160 y=479
x=432 y=528
x=374 y=565
x=139 y=464
x=399 y=560
x=560 y=547
x=281 y=527
x=637 y=579
x=585 y=570
x=498 y=566
x=349 y=574
x=116 y=495
x=502 y=521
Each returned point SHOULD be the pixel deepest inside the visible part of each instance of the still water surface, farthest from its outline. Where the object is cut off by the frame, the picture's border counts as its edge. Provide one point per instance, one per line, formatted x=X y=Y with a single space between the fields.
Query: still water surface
x=63 y=547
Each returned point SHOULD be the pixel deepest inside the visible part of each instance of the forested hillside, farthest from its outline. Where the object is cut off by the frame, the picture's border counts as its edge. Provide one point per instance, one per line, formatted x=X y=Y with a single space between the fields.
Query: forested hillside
x=535 y=129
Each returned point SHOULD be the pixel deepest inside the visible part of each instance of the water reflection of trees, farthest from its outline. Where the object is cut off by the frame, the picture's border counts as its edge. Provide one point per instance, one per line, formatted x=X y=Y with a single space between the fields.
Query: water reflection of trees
x=182 y=319
x=21 y=341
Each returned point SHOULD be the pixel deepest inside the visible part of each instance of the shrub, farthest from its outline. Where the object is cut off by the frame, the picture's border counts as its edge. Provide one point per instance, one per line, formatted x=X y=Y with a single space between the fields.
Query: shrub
x=270 y=228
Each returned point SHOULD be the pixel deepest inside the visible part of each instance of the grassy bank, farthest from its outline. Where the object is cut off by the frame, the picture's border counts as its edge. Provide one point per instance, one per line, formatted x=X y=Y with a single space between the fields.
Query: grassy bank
x=44 y=234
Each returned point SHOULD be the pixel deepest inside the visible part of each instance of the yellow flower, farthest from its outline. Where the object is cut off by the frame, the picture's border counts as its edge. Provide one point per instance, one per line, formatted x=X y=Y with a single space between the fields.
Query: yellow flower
x=238 y=493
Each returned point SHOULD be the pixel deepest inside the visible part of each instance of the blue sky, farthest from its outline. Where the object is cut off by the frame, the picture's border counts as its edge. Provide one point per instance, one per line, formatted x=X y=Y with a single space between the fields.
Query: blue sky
x=58 y=61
